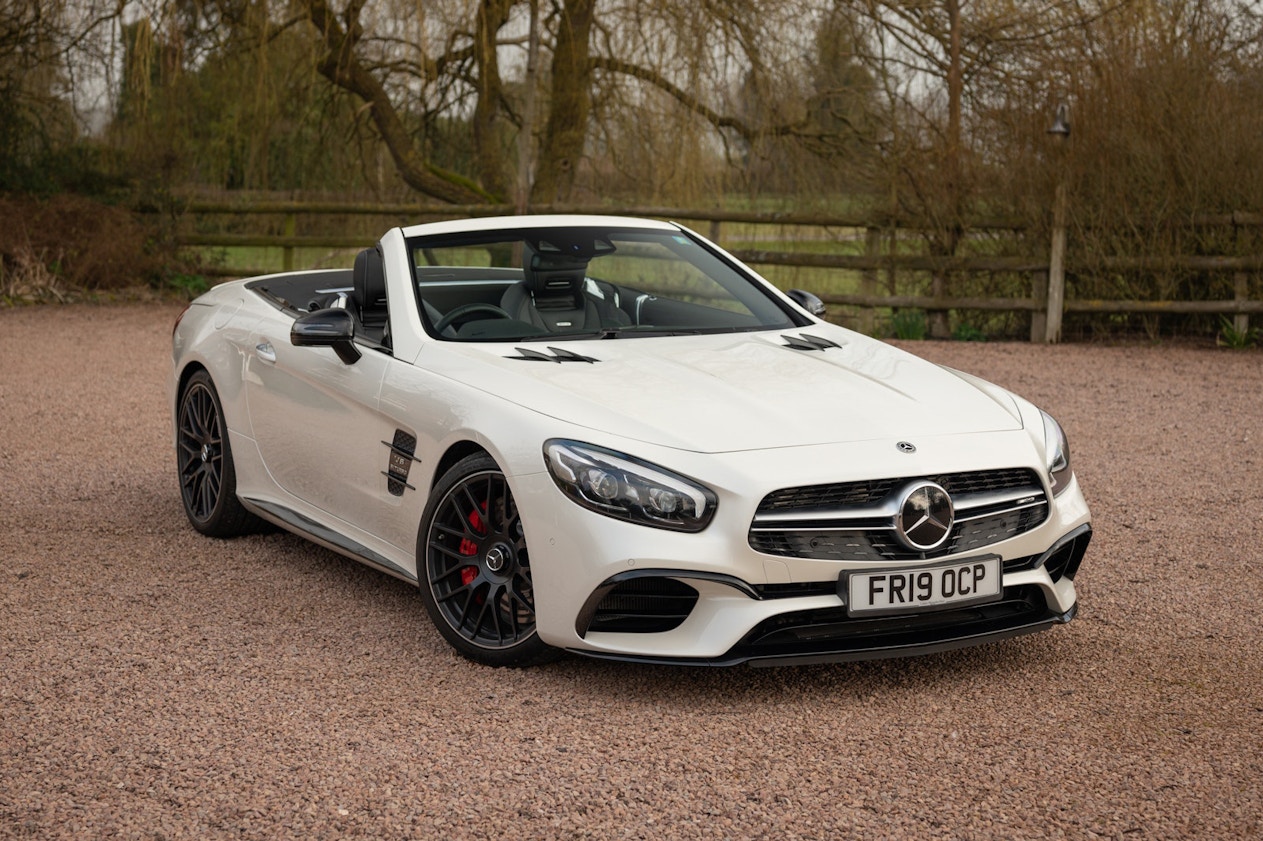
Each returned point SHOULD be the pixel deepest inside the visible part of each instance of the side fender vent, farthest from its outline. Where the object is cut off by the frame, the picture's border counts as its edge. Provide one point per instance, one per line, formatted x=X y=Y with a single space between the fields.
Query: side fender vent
x=399 y=462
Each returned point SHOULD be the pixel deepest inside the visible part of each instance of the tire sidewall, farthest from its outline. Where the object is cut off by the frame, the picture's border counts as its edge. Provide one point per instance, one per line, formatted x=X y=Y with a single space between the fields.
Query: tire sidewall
x=528 y=652
x=227 y=517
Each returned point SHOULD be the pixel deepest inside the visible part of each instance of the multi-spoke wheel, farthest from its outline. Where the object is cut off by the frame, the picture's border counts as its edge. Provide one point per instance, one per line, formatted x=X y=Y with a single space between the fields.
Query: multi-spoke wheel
x=208 y=482
x=475 y=570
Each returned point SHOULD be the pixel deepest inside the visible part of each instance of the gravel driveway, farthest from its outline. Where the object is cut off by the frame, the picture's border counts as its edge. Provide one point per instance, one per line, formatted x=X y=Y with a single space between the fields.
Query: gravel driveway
x=157 y=684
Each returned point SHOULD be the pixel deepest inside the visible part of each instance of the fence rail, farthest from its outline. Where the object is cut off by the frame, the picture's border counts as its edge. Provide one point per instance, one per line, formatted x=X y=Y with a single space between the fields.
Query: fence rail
x=1045 y=308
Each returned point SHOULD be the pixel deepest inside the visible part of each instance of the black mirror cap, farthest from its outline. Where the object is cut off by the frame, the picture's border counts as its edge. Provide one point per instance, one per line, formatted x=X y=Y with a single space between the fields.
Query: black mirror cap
x=333 y=328
x=811 y=303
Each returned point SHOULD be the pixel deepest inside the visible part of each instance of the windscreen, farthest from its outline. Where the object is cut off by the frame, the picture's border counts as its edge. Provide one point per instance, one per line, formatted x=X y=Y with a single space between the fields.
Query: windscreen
x=559 y=283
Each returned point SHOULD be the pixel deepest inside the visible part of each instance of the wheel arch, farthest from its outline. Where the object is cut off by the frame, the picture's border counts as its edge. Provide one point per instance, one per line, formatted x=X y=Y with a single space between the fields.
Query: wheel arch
x=186 y=373
x=190 y=368
x=456 y=452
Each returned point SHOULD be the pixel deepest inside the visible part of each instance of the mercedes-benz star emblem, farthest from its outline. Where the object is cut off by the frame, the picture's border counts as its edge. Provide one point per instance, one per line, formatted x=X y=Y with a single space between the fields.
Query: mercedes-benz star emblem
x=925 y=517
x=497 y=559
x=906 y=447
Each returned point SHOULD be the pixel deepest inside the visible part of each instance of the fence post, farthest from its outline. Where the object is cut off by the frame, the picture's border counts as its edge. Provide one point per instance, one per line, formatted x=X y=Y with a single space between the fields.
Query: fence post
x=868 y=279
x=1060 y=132
x=287 y=253
x=714 y=231
x=1039 y=315
x=1240 y=292
x=1057 y=267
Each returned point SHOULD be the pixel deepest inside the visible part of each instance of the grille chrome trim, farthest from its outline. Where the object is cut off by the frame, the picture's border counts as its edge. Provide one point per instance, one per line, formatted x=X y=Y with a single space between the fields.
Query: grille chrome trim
x=1021 y=507
x=890 y=507
x=807 y=522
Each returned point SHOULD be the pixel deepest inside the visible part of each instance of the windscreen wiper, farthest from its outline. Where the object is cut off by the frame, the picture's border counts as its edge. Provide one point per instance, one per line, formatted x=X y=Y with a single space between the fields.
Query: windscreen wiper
x=631 y=332
x=634 y=332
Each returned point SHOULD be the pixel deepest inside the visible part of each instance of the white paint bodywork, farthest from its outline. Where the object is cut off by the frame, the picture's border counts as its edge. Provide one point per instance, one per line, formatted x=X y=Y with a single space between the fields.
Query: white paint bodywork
x=739 y=413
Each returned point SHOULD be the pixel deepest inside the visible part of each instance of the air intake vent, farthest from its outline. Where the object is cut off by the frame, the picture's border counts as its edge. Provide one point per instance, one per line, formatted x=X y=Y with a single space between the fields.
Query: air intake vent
x=644 y=606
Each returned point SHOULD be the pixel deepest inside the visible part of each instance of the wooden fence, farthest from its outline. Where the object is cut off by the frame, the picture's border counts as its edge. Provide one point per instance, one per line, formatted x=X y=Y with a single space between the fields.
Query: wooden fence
x=1046 y=301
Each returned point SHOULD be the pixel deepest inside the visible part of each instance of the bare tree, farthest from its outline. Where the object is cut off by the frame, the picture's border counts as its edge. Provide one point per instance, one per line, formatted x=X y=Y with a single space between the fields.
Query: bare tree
x=44 y=47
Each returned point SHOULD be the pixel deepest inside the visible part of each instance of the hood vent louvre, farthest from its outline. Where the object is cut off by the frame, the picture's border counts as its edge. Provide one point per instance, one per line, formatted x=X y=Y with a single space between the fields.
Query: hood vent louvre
x=560 y=355
x=806 y=341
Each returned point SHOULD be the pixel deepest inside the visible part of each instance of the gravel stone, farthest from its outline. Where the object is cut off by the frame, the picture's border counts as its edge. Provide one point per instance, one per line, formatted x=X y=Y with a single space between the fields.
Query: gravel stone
x=161 y=685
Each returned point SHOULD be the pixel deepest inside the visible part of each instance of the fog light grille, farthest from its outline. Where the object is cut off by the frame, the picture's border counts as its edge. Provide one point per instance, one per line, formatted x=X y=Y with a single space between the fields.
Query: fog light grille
x=644 y=606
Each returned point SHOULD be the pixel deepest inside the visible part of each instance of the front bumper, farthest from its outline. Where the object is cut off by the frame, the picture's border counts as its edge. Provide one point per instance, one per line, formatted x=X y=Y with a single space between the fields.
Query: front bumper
x=740 y=604
x=828 y=634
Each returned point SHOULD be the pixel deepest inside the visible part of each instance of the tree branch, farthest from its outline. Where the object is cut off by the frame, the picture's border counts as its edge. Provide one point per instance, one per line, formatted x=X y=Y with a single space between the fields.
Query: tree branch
x=692 y=103
x=342 y=67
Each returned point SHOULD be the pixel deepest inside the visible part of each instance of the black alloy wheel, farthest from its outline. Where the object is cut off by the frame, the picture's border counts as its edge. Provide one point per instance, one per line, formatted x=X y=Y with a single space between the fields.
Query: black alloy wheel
x=474 y=567
x=208 y=481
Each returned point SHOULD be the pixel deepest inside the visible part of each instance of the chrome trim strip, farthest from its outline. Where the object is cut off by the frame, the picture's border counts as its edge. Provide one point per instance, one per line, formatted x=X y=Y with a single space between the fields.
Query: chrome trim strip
x=981 y=500
x=1001 y=511
x=847 y=524
x=401 y=481
x=964 y=502
x=774 y=529
x=402 y=452
x=889 y=509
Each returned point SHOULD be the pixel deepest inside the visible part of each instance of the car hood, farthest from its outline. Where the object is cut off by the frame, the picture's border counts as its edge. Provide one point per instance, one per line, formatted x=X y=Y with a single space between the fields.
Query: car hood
x=730 y=392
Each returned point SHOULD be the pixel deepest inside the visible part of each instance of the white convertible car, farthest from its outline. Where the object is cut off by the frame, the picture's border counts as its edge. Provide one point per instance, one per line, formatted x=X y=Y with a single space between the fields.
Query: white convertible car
x=608 y=436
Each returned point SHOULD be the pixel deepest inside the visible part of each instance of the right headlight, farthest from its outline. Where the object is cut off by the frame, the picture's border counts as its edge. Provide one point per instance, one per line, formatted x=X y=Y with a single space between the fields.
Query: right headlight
x=1056 y=454
x=626 y=488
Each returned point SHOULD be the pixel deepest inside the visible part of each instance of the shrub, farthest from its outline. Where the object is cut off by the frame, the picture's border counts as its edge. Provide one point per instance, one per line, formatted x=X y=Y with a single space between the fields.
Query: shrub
x=70 y=243
x=908 y=324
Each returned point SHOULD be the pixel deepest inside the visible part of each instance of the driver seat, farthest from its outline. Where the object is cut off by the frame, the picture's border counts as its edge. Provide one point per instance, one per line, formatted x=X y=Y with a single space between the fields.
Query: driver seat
x=552 y=297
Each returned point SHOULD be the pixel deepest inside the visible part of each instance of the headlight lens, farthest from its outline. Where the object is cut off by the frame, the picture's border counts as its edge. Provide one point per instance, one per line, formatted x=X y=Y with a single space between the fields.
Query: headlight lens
x=1056 y=454
x=626 y=488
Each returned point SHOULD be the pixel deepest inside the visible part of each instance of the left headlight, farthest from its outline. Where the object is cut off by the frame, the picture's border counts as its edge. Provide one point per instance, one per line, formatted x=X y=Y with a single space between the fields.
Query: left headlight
x=1056 y=454
x=626 y=488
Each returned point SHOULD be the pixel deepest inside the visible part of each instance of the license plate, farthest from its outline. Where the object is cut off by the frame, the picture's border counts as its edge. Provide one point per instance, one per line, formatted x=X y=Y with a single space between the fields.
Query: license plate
x=913 y=589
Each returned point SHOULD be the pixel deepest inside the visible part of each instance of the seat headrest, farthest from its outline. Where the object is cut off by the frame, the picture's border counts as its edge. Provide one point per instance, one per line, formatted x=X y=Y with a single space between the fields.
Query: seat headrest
x=369 y=280
x=552 y=275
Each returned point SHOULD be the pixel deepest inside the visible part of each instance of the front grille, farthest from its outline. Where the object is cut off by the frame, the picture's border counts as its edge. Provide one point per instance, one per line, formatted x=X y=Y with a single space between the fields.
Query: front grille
x=829 y=496
x=854 y=521
x=872 y=491
x=644 y=606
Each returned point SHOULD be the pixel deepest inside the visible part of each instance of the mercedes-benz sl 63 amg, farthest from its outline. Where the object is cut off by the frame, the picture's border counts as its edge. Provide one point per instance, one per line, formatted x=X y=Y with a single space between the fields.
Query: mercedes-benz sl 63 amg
x=608 y=436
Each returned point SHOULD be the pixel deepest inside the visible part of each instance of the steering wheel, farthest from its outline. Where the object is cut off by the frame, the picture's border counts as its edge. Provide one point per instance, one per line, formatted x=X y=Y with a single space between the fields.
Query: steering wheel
x=468 y=309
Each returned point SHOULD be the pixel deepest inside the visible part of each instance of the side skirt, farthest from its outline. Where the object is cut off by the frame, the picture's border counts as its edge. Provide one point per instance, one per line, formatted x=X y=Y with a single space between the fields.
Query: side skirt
x=303 y=526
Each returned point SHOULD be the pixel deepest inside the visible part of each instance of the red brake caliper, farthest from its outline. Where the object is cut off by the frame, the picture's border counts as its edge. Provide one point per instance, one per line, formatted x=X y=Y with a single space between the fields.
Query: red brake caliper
x=469 y=548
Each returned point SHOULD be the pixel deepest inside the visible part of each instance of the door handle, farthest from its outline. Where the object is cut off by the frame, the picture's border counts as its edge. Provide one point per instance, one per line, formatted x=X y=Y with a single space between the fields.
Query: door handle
x=265 y=351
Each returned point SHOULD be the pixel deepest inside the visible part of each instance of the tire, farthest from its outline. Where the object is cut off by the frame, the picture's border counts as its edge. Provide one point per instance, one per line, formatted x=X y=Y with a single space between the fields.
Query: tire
x=208 y=480
x=474 y=570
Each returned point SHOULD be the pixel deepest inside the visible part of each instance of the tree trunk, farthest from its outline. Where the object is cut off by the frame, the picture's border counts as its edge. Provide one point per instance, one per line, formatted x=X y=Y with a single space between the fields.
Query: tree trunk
x=526 y=134
x=938 y=323
x=567 y=127
x=489 y=153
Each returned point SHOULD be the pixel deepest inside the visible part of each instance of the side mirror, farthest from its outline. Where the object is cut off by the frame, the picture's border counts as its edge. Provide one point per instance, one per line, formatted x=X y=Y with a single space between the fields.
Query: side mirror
x=333 y=328
x=807 y=301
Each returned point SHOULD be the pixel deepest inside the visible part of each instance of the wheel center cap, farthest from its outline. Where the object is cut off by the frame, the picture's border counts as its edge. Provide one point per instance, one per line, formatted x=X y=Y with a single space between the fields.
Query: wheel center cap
x=498 y=558
x=205 y=453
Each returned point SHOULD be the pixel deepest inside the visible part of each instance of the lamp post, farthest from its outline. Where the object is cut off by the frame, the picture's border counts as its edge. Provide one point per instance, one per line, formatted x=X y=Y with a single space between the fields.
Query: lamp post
x=1060 y=130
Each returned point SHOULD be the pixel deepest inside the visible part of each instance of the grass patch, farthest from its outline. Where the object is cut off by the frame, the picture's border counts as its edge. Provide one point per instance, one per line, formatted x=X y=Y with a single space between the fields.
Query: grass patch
x=266 y=260
x=1231 y=337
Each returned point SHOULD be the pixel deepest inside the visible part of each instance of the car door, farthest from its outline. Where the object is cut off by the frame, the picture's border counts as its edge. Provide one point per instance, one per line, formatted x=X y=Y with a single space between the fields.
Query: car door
x=316 y=422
